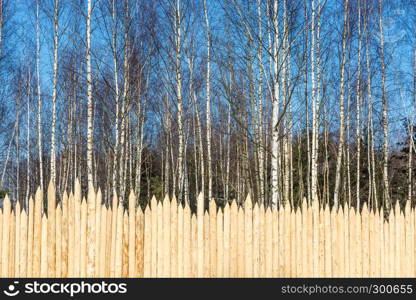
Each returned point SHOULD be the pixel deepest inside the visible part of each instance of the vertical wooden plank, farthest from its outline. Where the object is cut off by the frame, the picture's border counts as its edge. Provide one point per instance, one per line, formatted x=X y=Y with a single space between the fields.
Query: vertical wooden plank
x=200 y=234
x=30 y=245
x=233 y=238
x=23 y=243
x=352 y=239
x=181 y=236
x=227 y=240
x=248 y=236
x=206 y=263
x=392 y=238
x=298 y=248
x=262 y=246
x=51 y=231
x=154 y=235
x=37 y=232
x=174 y=238
x=220 y=244
x=77 y=230
x=187 y=258
x=341 y=242
x=118 y=259
x=108 y=241
x=347 y=255
x=365 y=239
x=275 y=267
x=413 y=211
x=12 y=243
x=315 y=238
x=359 y=244
x=132 y=235
x=328 y=242
x=334 y=242
x=386 y=249
x=16 y=249
x=160 y=236
x=1 y=239
x=147 y=242
x=256 y=240
x=114 y=213
x=98 y=228
x=411 y=237
x=91 y=203
x=402 y=240
x=194 y=246
x=5 y=237
x=305 y=252
x=139 y=243
x=398 y=236
x=372 y=238
x=286 y=241
x=321 y=243
x=166 y=237
x=213 y=237
x=125 y=246
x=241 y=244
x=65 y=235
x=83 y=238
x=58 y=241
x=44 y=248
x=71 y=235
x=379 y=243
x=269 y=243
x=103 y=242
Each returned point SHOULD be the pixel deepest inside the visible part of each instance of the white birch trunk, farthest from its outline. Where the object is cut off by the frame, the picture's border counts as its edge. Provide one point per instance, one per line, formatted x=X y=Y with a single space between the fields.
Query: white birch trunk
x=89 y=100
x=39 y=116
x=54 y=92
x=341 y=108
x=386 y=189
x=208 y=107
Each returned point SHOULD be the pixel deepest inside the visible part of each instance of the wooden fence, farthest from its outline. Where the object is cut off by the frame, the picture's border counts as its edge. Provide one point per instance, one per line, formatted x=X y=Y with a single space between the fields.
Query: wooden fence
x=83 y=238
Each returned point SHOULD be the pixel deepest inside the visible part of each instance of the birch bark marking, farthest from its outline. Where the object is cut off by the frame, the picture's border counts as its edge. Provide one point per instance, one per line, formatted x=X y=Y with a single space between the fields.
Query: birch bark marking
x=54 y=96
x=89 y=98
x=341 y=105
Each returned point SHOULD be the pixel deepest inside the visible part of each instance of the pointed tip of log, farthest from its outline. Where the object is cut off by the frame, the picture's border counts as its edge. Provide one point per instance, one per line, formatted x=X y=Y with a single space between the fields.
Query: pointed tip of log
x=174 y=198
x=51 y=186
x=18 y=207
x=365 y=207
x=407 y=208
x=315 y=204
x=212 y=205
x=200 y=200
x=166 y=198
x=65 y=196
x=397 y=206
x=153 y=201
x=248 y=203
x=38 y=193
x=132 y=196
x=174 y=202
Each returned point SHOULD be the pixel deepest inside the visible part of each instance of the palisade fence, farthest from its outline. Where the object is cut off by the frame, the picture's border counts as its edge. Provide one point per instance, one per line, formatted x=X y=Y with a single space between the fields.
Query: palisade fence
x=84 y=238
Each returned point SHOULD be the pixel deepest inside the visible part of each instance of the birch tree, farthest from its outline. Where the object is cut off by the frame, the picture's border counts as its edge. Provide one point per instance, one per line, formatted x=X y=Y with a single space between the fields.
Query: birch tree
x=54 y=92
x=386 y=189
x=39 y=116
x=341 y=106
x=89 y=98
x=208 y=107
